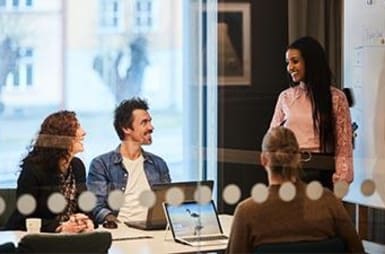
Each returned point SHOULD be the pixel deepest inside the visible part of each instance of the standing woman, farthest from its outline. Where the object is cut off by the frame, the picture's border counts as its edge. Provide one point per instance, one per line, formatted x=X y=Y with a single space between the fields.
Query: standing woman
x=51 y=167
x=317 y=113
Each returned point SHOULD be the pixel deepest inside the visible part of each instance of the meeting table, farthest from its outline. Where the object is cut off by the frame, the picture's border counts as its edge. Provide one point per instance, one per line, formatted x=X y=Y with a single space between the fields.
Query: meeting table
x=130 y=240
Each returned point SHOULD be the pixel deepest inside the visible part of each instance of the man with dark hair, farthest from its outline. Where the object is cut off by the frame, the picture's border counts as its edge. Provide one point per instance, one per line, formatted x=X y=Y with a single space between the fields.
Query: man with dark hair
x=128 y=168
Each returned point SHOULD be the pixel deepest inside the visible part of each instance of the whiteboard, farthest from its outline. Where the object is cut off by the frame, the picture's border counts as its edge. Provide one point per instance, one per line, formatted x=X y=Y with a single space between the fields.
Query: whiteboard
x=364 y=72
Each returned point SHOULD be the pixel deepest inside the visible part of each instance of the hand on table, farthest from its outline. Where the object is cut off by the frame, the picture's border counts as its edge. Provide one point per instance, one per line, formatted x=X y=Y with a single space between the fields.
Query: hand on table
x=77 y=223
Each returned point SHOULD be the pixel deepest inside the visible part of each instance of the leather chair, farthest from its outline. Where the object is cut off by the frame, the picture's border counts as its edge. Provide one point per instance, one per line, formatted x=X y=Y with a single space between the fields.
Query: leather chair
x=7 y=248
x=90 y=242
x=332 y=245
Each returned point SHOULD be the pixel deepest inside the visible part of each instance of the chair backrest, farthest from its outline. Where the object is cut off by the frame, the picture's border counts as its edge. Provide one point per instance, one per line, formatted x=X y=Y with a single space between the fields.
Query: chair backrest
x=90 y=242
x=333 y=245
x=7 y=248
x=9 y=197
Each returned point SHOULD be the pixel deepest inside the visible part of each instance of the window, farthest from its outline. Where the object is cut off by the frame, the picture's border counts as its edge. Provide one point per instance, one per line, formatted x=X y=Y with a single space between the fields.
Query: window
x=22 y=76
x=15 y=4
x=143 y=16
x=110 y=13
x=161 y=66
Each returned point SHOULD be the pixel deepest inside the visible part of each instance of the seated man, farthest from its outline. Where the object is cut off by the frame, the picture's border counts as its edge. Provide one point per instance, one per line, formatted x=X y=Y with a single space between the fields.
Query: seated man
x=127 y=168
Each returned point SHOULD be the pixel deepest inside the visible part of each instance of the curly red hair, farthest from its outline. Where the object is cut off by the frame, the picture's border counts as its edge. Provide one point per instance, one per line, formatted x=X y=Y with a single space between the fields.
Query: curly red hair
x=54 y=140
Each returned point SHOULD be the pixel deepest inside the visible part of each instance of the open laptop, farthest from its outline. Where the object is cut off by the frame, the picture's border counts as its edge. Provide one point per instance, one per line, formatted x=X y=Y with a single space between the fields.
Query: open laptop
x=195 y=224
x=156 y=218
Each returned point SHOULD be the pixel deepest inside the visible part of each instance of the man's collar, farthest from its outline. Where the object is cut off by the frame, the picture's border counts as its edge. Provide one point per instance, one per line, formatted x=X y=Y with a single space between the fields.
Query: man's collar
x=117 y=158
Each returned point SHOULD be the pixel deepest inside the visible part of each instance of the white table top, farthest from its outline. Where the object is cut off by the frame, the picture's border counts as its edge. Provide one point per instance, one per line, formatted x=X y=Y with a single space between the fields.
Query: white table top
x=140 y=241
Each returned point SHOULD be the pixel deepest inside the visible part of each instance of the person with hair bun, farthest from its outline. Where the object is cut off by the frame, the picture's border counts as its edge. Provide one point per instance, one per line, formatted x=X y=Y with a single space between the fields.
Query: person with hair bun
x=51 y=167
x=280 y=221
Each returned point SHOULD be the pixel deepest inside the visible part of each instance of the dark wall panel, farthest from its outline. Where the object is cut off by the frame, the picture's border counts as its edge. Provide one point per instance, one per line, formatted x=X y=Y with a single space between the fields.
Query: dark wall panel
x=245 y=111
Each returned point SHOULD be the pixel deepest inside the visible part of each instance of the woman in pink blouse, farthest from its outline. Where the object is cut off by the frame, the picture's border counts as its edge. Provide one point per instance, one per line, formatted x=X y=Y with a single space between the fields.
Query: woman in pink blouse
x=317 y=113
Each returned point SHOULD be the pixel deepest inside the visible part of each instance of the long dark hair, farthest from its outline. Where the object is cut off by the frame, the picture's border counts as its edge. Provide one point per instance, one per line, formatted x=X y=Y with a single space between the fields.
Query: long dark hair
x=54 y=141
x=318 y=78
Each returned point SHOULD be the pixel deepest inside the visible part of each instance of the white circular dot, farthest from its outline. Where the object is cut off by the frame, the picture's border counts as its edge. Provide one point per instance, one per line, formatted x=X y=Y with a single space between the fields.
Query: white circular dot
x=314 y=190
x=87 y=201
x=56 y=202
x=231 y=194
x=341 y=188
x=115 y=199
x=287 y=191
x=379 y=179
x=2 y=205
x=368 y=187
x=259 y=193
x=174 y=196
x=202 y=194
x=147 y=198
x=26 y=204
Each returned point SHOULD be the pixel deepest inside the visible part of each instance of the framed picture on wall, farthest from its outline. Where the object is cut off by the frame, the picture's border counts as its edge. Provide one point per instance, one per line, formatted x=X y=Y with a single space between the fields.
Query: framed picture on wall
x=234 y=53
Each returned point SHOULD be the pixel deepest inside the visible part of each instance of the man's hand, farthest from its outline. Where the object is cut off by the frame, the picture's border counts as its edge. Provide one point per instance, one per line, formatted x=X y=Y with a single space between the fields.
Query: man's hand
x=110 y=217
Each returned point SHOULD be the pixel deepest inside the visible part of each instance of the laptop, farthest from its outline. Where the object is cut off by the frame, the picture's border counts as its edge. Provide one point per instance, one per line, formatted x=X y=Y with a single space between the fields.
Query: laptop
x=195 y=224
x=156 y=218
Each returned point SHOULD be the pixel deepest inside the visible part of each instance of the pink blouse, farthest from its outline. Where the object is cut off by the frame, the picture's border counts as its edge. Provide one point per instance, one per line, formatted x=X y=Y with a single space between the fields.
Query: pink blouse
x=294 y=109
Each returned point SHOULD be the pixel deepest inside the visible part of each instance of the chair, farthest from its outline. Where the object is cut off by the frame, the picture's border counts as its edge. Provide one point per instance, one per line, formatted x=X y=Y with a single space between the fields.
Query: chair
x=7 y=248
x=332 y=245
x=90 y=242
x=9 y=197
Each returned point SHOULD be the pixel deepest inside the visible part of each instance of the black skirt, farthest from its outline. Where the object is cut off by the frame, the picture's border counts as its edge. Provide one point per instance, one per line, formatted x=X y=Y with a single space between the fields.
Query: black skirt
x=318 y=167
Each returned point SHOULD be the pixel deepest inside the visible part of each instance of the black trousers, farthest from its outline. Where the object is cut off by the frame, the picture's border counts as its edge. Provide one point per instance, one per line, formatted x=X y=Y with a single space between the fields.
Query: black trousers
x=318 y=167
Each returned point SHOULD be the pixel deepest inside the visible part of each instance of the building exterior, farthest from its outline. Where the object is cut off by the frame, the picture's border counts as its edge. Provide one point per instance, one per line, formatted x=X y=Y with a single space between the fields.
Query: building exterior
x=99 y=48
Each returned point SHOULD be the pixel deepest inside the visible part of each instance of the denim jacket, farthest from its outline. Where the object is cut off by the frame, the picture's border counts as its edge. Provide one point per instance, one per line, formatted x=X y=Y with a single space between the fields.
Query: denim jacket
x=107 y=173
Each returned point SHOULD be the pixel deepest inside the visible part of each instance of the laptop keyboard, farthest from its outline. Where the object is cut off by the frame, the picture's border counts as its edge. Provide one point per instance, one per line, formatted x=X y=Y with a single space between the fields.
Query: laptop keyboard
x=206 y=238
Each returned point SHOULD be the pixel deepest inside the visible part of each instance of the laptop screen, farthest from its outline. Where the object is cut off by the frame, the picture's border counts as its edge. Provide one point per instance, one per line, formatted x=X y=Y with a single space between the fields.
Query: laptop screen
x=193 y=219
x=155 y=213
x=188 y=188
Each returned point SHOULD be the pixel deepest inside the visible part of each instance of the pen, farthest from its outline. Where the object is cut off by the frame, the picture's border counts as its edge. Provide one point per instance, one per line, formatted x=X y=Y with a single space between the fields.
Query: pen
x=132 y=238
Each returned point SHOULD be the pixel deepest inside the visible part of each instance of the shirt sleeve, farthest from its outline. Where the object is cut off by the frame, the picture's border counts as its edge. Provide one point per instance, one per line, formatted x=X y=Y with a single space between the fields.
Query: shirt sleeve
x=345 y=228
x=97 y=184
x=239 y=236
x=279 y=115
x=165 y=172
x=30 y=183
x=344 y=146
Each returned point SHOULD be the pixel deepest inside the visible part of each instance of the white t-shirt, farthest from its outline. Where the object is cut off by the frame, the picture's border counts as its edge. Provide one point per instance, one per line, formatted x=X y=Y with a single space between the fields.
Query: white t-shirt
x=131 y=209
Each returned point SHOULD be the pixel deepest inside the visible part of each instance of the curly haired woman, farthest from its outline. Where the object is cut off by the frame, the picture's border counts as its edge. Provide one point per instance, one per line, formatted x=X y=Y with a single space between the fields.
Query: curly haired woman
x=51 y=167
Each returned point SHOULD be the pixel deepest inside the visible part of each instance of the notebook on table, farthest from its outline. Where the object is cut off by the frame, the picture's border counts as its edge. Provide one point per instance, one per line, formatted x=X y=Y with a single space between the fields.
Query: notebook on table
x=156 y=218
x=195 y=224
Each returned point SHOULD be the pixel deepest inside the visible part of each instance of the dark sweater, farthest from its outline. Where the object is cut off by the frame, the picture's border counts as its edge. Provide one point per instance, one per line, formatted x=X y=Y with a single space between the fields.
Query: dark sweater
x=301 y=219
x=41 y=182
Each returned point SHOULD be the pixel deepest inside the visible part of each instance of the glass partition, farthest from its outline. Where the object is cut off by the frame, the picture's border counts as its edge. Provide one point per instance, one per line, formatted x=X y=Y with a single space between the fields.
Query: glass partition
x=87 y=56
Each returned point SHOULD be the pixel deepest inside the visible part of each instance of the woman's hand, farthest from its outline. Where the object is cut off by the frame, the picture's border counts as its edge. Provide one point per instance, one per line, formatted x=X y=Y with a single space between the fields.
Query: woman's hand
x=77 y=223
